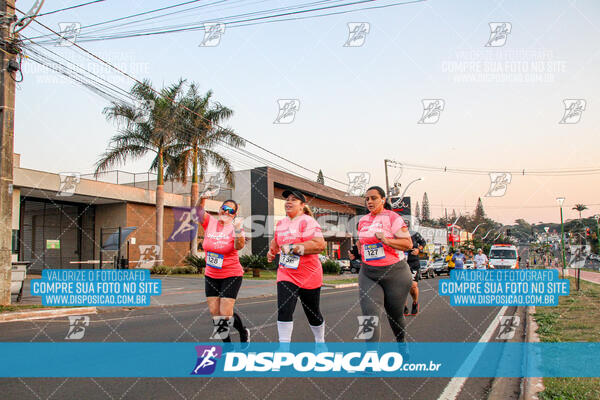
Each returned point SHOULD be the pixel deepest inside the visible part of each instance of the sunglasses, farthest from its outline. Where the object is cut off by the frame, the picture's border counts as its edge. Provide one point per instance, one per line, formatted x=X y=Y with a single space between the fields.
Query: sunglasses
x=227 y=209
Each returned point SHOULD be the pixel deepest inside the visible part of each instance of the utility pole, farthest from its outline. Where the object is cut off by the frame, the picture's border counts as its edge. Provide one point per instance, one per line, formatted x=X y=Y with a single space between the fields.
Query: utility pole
x=7 y=112
x=387 y=182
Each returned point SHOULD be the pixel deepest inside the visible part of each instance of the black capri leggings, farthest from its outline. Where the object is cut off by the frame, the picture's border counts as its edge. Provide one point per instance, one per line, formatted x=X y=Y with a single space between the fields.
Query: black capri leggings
x=224 y=287
x=287 y=296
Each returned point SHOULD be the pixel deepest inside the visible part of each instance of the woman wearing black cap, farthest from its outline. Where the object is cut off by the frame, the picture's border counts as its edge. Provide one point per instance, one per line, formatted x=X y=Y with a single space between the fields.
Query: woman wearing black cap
x=298 y=240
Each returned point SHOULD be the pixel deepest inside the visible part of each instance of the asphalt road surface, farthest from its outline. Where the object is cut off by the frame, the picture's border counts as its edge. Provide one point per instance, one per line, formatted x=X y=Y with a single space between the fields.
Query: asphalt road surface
x=436 y=322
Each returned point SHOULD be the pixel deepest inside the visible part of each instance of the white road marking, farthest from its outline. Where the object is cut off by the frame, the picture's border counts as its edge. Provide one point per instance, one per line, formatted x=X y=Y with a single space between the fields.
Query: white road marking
x=456 y=384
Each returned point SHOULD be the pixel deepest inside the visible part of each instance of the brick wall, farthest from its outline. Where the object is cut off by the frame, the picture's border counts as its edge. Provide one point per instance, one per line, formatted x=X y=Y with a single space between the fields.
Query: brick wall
x=144 y=217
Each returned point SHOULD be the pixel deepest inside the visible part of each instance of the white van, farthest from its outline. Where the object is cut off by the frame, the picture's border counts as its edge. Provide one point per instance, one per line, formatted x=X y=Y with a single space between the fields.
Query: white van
x=504 y=256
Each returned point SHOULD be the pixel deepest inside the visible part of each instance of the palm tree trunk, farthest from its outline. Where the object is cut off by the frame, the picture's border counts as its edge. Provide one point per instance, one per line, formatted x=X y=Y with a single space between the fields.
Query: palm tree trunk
x=194 y=198
x=160 y=208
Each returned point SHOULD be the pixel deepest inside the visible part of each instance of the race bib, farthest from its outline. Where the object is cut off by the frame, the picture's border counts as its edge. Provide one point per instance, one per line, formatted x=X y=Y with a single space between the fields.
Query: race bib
x=214 y=260
x=373 y=251
x=291 y=261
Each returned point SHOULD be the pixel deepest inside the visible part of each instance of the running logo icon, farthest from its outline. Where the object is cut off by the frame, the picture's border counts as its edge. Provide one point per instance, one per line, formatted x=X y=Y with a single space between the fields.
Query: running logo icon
x=213 y=186
x=143 y=110
x=68 y=32
x=579 y=253
x=68 y=183
x=77 y=325
x=212 y=34
x=148 y=255
x=508 y=325
x=432 y=109
x=573 y=110
x=222 y=326
x=287 y=111
x=357 y=33
x=499 y=32
x=366 y=326
x=357 y=183
x=186 y=222
x=498 y=183
x=207 y=359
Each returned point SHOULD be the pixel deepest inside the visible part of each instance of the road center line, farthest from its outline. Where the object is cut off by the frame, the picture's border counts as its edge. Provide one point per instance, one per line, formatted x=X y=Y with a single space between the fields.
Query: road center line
x=456 y=384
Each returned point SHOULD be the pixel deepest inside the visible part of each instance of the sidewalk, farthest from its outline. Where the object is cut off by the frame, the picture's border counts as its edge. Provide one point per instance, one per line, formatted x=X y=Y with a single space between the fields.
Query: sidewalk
x=593 y=277
x=187 y=289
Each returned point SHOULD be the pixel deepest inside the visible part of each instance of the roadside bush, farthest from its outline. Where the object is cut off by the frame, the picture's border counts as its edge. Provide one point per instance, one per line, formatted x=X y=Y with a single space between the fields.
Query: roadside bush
x=254 y=261
x=195 y=261
x=331 y=267
x=160 y=270
x=164 y=270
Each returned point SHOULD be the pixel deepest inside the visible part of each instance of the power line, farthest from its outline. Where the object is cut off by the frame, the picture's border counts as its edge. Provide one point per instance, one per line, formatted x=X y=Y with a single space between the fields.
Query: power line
x=172 y=100
x=522 y=172
x=248 y=21
x=69 y=8
x=108 y=91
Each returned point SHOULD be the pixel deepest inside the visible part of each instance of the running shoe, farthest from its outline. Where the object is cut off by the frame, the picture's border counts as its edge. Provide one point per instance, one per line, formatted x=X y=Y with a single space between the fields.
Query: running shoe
x=406 y=311
x=415 y=309
x=245 y=335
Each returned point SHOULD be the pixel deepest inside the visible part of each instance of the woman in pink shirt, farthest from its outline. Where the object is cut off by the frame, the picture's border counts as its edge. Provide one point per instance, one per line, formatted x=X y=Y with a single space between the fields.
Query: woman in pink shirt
x=223 y=237
x=384 y=280
x=298 y=240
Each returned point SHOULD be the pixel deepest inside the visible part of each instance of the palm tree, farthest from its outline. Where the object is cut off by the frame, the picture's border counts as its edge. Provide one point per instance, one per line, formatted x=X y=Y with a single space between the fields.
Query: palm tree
x=197 y=137
x=138 y=136
x=580 y=208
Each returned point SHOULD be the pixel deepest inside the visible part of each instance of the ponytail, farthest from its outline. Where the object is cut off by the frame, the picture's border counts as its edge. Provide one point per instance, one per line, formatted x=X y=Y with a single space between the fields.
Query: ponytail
x=306 y=210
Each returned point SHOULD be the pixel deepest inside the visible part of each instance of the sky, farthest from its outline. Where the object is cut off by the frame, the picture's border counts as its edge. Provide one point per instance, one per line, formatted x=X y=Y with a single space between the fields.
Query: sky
x=358 y=104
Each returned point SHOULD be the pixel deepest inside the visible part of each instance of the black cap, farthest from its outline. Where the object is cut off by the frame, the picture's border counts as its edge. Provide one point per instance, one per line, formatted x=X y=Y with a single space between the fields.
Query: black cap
x=296 y=194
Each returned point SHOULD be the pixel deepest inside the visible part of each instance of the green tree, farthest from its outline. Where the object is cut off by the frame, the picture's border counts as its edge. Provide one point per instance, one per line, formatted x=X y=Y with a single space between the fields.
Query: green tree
x=418 y=212
x=479 y=212
x=320 y=178
x=425 y=212
x=580 y=208
x=145 y=131
x=198 y=135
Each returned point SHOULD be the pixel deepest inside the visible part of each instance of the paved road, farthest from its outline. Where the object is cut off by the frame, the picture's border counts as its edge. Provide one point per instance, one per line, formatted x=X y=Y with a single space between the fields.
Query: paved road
x=187 y=289
x=438 y=321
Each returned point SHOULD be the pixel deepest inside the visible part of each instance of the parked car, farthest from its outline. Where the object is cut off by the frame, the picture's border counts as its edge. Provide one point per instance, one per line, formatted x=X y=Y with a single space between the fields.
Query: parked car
x=343 y=263
x=441 y=267
x=426 y=269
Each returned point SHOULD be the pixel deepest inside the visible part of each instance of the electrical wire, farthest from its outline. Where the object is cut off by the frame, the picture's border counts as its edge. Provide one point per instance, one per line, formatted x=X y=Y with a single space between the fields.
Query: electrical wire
x=158 y=93
x=70 y=8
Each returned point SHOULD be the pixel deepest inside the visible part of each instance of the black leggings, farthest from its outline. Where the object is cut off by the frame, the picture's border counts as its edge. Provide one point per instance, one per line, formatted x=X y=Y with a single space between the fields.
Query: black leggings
x=287 y=296
x=385 y=288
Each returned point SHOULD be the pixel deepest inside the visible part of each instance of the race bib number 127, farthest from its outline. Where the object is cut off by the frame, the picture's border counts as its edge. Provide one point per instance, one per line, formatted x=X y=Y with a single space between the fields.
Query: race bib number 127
x=373 y=251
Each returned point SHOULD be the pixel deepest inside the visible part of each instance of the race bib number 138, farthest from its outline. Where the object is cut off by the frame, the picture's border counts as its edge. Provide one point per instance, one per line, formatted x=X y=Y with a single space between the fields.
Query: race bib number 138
x=291 y=261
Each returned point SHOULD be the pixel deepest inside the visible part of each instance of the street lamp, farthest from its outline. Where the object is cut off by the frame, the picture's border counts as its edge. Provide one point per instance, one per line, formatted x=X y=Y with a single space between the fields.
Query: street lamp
x=560 y=201
x=405 y=189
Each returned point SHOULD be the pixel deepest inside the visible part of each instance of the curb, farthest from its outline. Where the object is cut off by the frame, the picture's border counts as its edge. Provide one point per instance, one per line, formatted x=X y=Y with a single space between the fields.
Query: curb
x=531 y=386
x=41 y=314
x=340 y=285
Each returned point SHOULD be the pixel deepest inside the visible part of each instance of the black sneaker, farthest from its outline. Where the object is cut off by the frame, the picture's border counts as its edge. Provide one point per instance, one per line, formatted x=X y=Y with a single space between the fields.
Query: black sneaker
x=415 y=309
x=406 y=311
x=245 y=335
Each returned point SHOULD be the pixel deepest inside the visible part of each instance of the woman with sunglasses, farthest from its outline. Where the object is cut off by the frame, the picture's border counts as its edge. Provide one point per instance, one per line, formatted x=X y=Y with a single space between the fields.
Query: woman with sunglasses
x=384 y=280
x=223 y=237
x=298 y=240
